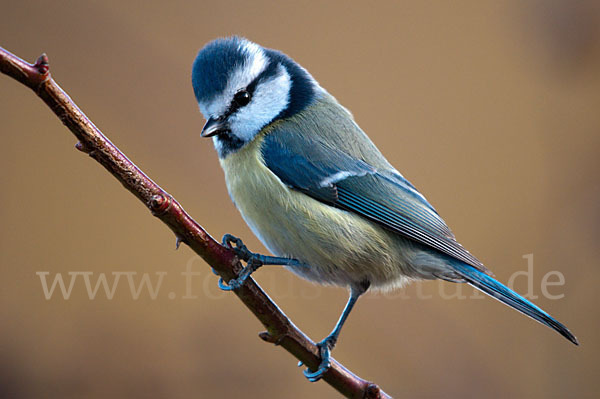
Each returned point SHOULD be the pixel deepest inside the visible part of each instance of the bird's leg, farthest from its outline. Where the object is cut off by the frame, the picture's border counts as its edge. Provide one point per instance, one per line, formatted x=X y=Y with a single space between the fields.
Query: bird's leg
x=327 y=344
x=253 y=262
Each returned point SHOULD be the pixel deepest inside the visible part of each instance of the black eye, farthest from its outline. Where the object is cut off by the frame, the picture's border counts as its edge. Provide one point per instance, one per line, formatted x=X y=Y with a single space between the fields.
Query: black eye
x=241 y=98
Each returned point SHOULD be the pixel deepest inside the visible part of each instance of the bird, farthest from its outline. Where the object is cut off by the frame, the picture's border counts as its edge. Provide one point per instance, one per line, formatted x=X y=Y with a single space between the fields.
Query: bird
x=317 y=192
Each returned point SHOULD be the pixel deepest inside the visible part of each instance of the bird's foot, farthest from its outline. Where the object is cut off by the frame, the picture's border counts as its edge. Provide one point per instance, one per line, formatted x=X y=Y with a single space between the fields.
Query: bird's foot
x=238 y=247
x=325 y=348
x=253 y=262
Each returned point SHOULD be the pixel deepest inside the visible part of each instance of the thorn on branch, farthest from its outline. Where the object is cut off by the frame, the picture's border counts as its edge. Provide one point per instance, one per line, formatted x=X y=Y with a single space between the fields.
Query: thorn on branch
x=82 y=147
x=268 y=337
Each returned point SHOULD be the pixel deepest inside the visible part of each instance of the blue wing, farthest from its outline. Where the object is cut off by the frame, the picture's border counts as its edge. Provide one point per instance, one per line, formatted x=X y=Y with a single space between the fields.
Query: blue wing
x=343 y=181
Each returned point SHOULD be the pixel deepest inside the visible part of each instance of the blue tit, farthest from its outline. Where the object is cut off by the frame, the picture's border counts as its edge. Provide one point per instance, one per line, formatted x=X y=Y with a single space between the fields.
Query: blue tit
x=317 y=192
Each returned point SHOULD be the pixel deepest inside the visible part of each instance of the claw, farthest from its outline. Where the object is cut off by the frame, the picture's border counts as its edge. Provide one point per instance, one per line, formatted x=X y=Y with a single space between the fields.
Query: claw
x=317 y=375
x=233 y=284
x=253 y=262
x=240 y=249
x=236 y=283
x=325 y=347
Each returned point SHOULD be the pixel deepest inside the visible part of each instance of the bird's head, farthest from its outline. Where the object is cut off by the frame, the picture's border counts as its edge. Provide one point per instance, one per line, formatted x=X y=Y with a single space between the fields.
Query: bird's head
x=241 y=87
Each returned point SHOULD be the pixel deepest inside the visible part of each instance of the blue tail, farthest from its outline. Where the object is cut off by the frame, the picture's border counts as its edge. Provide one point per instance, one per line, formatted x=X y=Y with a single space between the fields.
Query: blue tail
x=507 y=296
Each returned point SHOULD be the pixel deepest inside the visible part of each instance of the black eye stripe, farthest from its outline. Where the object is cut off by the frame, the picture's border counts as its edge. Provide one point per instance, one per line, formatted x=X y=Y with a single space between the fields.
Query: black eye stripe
x=252 y=86
x=236 y=104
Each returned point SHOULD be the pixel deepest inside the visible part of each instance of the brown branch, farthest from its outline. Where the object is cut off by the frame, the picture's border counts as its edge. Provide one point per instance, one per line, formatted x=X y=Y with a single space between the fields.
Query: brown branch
x=280 y=330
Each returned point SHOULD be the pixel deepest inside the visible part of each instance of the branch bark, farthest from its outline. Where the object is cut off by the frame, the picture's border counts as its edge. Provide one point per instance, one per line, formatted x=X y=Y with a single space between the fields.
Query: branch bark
x=280 y=330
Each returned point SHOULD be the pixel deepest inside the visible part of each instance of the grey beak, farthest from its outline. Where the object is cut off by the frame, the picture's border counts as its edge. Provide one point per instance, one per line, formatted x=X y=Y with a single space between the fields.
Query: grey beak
x=214 y=126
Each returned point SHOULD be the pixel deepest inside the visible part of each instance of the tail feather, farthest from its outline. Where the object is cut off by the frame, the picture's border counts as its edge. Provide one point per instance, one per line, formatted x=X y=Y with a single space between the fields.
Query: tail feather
x=507 y=296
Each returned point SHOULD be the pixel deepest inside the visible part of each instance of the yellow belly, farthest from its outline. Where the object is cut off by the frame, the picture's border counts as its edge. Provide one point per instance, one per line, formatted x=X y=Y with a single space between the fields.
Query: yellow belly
x=339 y=247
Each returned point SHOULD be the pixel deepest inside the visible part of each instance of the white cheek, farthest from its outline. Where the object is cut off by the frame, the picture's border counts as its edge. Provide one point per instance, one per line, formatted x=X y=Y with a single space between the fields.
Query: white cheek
x=268 y=100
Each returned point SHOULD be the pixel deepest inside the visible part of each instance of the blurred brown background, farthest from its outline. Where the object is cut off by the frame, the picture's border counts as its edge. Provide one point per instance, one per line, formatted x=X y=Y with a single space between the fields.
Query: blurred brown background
x=490 y=108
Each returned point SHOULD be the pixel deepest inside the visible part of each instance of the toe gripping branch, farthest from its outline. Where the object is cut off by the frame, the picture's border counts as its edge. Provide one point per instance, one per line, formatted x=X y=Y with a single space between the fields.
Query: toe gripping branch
x=325 y=348
x=253 y=262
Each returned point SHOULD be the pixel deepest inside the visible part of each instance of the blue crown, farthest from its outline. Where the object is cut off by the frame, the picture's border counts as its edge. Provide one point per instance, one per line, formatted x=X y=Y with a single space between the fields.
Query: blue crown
x=213 y=65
